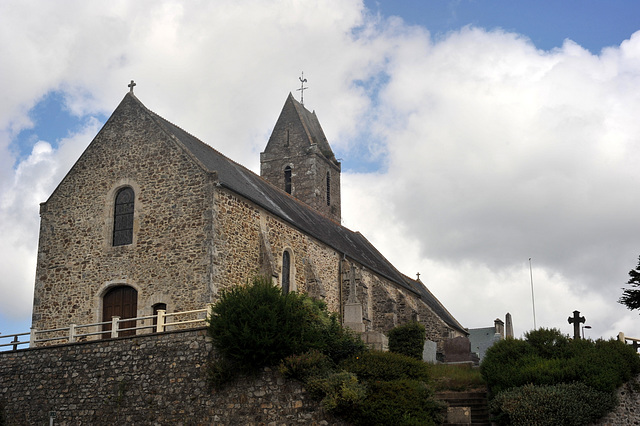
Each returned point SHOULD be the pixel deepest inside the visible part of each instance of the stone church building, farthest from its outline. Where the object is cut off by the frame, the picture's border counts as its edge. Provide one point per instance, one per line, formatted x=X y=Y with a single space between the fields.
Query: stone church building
x=150 y=218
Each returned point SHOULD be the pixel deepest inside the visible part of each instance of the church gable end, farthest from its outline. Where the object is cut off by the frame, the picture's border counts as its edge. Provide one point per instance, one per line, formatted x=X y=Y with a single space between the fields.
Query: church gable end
x=130 y=212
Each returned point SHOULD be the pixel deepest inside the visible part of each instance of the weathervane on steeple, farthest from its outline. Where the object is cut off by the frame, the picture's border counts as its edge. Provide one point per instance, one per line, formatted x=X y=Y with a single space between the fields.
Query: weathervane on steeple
x=302 y=88
x=131 y=86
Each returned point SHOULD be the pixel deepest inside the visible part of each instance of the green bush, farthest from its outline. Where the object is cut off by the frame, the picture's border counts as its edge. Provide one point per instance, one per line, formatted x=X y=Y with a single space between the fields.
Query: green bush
x=570 y=404
x=221 y=371
x=307 y=365
x=503 y=363
x=339 y=343
x=455 y=377
x=549 y=342
x=395 y=386
x=548 y=358
x=398 y=402
x=341 y=392
x=408 y=339
x=606 y=365
x=256 y=325
x=386 y=366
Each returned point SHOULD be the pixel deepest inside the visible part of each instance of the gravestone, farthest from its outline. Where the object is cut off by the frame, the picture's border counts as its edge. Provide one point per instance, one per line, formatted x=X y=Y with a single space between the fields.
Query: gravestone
x=457 y=349
x=375 y=340
x=576 y=320
x=508 y=326
x=429 y=352
x=353 y=317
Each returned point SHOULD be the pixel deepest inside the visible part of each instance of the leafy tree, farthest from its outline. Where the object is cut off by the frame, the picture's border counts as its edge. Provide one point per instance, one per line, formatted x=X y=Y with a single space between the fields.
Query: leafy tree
x=631 y=297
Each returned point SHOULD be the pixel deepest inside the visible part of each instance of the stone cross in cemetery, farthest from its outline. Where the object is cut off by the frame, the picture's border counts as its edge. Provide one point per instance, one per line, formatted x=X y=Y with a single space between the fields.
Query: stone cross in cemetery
x=576 y=320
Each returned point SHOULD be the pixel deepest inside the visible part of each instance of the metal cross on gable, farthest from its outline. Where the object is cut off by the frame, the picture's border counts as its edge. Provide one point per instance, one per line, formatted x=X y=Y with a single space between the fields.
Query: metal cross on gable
x=302 y=88
x=131 y=86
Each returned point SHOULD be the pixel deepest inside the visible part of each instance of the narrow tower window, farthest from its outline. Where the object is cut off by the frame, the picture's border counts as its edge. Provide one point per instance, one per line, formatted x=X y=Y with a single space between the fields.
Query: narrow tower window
x=287 y=179
x=123 y=217
x=328 y=189
x=286 y=272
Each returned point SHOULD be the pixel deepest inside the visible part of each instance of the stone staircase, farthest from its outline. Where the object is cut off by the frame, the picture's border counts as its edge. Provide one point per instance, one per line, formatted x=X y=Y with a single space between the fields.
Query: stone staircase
x=475 y=400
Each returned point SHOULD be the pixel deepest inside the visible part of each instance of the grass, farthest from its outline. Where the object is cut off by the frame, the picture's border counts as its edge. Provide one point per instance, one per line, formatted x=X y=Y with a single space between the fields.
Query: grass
x=456 y=378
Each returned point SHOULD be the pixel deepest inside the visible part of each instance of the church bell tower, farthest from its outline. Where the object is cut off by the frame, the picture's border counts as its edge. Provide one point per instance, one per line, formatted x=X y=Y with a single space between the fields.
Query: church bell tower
x=299 y=160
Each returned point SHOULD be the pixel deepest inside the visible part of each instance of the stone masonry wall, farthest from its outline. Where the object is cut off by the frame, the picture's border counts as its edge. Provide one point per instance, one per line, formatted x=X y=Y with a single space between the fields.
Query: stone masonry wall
x=313 y=265
x=238 y=245
x=628 y=411
x=168 y=260
x=145 y=380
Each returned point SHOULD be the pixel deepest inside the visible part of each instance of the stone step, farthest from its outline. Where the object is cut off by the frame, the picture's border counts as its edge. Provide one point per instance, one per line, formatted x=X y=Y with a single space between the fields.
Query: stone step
x=476 y=401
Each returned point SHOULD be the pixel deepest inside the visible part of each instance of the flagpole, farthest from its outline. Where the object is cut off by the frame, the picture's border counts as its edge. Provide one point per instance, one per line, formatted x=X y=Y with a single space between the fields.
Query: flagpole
x=533 y=299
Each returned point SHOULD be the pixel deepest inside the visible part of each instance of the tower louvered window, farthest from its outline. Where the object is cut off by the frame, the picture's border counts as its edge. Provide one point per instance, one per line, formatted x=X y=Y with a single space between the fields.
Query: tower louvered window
x=123 y=217
x=287 y=179
x=328 y=189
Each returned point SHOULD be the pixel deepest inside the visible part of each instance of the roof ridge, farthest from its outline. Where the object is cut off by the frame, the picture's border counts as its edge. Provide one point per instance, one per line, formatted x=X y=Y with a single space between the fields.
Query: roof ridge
x=204 y=144
x=422 y=286
x=207 y=146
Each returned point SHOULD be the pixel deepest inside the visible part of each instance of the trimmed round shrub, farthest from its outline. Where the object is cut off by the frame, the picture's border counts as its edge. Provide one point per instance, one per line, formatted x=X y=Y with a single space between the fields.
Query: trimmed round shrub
x=569 y=404
x=408 y=339
x=376 y=365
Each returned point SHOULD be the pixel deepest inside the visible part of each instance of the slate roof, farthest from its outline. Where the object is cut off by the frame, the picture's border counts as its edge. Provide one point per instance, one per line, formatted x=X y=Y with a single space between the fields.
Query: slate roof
x=314 y=129
x=244 y=182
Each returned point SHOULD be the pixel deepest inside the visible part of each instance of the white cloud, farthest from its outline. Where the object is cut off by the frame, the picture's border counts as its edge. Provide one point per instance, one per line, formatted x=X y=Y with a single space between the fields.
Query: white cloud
x=494 y=151
x=499 y=152
x=33 y=181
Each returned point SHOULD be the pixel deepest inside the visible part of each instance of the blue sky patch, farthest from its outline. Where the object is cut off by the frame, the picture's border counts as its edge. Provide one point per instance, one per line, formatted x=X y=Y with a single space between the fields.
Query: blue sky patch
x=52 y=122
x=593 y=24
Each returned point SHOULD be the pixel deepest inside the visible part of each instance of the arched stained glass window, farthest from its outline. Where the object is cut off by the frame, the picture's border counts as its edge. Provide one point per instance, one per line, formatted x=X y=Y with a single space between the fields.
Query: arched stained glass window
x=123 y=217
x=287 y=179
x=286 y=272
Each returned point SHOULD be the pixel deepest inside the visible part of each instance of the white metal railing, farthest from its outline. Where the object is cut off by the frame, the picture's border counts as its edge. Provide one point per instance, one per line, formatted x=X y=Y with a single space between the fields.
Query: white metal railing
x=634 y=341
x=74 y=332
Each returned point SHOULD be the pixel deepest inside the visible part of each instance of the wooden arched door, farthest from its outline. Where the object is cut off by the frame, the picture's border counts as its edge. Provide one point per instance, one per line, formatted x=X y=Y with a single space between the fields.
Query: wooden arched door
x=121 y=301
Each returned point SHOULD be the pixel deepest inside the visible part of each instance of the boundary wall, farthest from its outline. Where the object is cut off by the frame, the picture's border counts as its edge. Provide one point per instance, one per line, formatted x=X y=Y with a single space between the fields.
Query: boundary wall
x=150 y=379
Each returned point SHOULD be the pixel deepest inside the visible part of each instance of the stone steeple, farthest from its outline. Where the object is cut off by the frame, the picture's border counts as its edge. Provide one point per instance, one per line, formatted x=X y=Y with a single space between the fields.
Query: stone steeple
x=299 y=160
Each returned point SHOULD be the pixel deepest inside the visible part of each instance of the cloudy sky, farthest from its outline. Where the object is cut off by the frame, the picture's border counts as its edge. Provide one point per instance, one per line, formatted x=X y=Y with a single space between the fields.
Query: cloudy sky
x=474 y=135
